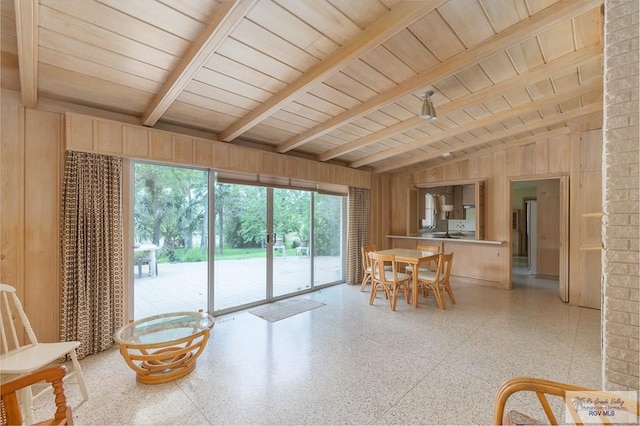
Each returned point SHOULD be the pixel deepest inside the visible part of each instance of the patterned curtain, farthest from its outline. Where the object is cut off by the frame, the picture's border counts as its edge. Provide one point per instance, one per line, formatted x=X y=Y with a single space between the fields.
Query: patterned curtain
x=92 y=251
x=358 y=232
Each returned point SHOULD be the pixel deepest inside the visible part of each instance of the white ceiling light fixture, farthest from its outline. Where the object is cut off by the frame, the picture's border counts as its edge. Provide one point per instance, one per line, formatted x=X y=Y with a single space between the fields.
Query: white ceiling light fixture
x=428 y=111
x=447 y=155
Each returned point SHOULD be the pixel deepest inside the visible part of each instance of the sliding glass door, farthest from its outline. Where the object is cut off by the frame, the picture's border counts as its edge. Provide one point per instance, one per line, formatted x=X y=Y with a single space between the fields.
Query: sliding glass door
x=240 y=266
x=170 y=227
x=266 y=243
x=291 y=251
x=328 y=239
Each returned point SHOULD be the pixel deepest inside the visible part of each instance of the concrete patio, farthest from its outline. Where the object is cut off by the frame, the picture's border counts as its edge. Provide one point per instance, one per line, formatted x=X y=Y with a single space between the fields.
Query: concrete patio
x=183 y=286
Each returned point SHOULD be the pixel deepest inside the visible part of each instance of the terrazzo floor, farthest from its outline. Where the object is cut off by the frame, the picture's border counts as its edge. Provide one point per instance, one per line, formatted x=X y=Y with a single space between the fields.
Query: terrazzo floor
x=351 y=363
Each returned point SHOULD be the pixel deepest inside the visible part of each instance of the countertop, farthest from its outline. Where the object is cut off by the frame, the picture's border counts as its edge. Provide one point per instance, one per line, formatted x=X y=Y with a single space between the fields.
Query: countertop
x=465 y=240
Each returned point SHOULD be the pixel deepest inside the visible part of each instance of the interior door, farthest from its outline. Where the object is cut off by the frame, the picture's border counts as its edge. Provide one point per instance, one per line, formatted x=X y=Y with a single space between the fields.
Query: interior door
x=548 y=200
x=532 y=233
x=564 y=239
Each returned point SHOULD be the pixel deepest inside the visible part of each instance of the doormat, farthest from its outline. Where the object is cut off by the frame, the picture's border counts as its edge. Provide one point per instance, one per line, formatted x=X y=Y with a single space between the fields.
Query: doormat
x=284 y=309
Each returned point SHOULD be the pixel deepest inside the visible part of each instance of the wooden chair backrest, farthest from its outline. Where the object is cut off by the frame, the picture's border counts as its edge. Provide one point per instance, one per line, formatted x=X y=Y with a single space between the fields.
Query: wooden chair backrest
x=11 y=411
x=365 y=250
x=378 y=262
x=437 y=270
x=446 y=259
x=542 y=388
x=14 y=323
x=435 y=249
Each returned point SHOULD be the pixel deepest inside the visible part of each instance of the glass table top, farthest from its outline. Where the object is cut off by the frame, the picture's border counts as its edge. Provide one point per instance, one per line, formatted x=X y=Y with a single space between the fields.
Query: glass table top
x=164 y=328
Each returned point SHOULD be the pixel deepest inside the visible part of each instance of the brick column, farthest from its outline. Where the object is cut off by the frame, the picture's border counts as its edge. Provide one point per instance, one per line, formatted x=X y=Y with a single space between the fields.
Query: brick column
x=621 y=188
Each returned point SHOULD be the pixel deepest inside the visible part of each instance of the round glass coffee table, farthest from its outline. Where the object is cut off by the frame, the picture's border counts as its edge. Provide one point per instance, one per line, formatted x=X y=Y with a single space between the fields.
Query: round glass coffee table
x=162 y=348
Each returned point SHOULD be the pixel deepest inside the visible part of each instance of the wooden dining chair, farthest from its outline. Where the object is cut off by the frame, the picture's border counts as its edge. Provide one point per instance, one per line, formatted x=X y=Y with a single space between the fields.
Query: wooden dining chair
x=386 y=279
x=438 y=280
x=429 y=280
x=366 y=265
x=430 y=264
x=421 y=247
x=10 y=412
x=447 y=261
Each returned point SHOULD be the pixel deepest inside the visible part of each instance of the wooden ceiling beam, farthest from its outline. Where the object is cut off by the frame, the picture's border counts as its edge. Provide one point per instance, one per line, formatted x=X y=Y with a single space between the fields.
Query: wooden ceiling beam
x=27 y=23
x=398 y=18
x=545 y=122
x=528 y=77
x=477 y=124
x=226 y=18
x=524 y=30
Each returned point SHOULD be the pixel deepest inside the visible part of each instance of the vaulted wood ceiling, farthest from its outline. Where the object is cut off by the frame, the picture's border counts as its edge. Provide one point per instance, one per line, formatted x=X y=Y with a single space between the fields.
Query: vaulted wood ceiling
x=335 y=80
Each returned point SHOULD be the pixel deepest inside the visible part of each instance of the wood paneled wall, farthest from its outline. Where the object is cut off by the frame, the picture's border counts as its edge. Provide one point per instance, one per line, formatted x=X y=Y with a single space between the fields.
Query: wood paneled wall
x=12 y=195
x=380 y=215
x=91 y=134
x=31 y=171
x=590 y=206
x=32 y=166
x=551 y=155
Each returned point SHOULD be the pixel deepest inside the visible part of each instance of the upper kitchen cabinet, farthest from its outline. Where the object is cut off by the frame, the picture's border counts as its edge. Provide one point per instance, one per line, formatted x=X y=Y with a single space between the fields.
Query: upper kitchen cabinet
x=464 y=197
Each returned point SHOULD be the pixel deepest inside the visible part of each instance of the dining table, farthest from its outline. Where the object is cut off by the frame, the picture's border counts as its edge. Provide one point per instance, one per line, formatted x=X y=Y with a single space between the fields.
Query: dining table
x=414 y=258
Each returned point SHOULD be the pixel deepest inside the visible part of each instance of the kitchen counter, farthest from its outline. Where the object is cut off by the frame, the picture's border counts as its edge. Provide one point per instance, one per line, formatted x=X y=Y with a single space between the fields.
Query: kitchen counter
x=455 y=239
x=482 y=262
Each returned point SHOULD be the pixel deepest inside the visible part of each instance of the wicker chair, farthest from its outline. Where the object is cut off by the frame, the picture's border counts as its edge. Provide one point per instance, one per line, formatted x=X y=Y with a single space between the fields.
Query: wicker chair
x=544 y=388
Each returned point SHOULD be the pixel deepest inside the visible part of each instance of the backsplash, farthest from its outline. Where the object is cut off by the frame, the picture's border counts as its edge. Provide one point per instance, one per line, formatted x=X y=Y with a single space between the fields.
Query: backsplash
x=469 y=224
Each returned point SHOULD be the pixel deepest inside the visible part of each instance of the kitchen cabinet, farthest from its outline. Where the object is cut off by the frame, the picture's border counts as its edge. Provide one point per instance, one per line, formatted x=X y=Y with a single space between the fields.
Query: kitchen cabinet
x=462 y=195
x=468 y=195
x=485 y=263
x=458 y=208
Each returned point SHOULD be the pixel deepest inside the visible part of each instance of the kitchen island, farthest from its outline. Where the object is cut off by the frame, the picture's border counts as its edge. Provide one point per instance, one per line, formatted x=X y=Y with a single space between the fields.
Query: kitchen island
x=485 y=262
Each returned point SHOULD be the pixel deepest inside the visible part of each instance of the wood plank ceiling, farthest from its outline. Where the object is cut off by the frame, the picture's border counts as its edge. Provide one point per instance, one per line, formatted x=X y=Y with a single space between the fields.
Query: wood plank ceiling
x=334 y=80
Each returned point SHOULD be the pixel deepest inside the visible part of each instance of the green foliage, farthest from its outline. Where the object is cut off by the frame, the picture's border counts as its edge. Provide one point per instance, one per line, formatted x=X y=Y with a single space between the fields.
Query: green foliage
x=198 y=254
x=170 y=205
x=171 y=210
x=243 y=213
x=168 y=254
x=328 y=218
x=291 y=213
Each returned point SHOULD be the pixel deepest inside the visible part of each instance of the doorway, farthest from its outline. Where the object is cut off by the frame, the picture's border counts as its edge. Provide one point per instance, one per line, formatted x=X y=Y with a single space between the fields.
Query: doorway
x=272 y=243
x=292 y=212
x=539 y=232
x=262 y=238
x=241 y=254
